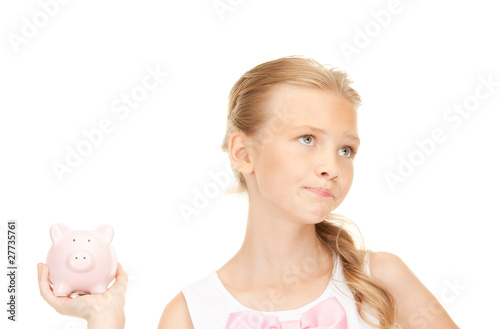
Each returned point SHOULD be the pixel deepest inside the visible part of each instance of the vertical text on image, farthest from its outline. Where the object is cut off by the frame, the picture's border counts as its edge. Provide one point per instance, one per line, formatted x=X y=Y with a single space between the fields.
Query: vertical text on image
x=12 y=272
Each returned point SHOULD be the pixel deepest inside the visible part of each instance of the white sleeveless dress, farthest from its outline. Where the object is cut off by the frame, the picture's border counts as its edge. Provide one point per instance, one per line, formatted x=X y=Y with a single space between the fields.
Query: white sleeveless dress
x=210 y=303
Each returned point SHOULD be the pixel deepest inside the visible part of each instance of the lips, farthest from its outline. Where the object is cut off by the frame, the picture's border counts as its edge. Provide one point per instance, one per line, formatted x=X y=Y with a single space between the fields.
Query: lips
x=320 y=191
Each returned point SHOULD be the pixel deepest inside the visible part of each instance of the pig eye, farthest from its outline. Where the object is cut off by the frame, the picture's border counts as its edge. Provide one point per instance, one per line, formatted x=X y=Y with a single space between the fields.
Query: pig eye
x=73 y=240
x=89 y=240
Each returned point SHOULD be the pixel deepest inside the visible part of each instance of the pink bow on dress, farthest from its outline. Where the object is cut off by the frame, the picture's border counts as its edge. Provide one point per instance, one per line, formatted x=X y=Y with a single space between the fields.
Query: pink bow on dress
x=328 y=314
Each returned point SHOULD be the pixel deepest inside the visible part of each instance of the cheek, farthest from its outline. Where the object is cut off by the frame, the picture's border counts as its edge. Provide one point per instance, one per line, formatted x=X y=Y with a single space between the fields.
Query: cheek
x=279 y=169
x=348 y=176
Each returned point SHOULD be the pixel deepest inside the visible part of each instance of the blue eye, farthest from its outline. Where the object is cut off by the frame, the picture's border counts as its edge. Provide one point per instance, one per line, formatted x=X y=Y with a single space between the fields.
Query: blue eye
x=308 y=139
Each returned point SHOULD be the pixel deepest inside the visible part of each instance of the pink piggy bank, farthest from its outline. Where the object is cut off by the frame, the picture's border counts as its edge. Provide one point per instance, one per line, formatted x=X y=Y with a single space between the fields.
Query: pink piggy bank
x=81 y=261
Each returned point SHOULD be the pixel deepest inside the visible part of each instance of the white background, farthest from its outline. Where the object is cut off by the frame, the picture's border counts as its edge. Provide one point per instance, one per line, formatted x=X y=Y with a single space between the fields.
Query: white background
x=65 y=77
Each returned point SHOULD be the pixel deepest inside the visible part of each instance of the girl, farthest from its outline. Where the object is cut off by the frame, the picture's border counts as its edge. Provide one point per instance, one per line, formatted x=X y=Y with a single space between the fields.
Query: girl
x=292 y=138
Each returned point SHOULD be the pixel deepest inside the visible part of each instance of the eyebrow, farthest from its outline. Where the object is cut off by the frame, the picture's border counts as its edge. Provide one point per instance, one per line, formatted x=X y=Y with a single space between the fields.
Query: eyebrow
x=349 y=135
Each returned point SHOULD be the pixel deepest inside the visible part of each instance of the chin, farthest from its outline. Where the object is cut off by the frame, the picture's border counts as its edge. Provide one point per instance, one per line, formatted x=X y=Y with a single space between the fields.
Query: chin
x=316 y=219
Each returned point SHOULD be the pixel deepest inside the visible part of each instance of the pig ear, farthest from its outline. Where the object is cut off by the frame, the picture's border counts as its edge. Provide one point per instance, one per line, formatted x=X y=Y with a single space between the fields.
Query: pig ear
x=57 y=231
x=106 y=232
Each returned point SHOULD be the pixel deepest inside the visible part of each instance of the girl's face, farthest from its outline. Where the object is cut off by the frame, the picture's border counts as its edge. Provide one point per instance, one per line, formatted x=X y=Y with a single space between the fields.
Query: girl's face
x=303 y=157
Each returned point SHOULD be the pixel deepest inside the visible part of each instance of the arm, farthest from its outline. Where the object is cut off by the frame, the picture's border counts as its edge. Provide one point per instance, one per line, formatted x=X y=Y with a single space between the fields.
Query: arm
x=176 y=314
x=417 y=308
x=100 y=311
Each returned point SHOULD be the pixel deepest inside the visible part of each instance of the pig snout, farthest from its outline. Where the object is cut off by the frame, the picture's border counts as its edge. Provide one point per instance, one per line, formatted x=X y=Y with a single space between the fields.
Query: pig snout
x=81 y=261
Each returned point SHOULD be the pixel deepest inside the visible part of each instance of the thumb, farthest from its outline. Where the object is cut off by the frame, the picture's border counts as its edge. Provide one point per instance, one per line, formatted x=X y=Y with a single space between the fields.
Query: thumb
x=121 y=281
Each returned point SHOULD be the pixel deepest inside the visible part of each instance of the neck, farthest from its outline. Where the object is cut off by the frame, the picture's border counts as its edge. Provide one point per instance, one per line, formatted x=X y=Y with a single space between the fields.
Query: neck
x=277 y=249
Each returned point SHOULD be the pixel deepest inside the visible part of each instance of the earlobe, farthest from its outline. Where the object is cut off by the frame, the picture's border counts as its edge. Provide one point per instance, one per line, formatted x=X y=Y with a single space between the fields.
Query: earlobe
x=239 y=152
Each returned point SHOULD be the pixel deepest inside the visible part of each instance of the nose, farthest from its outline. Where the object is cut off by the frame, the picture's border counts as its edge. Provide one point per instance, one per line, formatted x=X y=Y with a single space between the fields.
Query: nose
x=328 y=167
x=80 y=261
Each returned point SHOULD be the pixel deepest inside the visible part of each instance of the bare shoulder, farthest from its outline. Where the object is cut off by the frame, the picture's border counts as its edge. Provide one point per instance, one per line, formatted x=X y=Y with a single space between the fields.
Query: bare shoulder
x=176 y=314
x=417 y=307
x=385 y=267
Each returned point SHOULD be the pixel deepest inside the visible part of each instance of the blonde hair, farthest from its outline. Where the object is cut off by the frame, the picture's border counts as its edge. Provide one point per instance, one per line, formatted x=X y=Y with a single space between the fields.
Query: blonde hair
x=246 y=113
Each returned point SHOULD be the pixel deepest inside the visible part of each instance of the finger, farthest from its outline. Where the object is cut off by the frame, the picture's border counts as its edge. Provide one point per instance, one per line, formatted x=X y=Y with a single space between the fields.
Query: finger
x=45 y=289
x=121 y=281
x=120 y=274
x=39 y=270
x=43 y=284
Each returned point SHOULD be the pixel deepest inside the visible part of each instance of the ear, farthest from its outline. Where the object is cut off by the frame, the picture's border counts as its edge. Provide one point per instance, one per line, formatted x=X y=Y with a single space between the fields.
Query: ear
x=106 y=232
x=57 y=231
x=239 y=149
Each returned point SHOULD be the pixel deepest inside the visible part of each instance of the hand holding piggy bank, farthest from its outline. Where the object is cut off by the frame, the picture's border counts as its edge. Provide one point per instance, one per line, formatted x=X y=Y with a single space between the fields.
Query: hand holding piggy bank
x=81 y=261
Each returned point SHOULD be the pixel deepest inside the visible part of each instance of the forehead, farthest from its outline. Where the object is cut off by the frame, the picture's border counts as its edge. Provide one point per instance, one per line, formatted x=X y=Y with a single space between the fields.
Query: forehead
x=293 y=105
